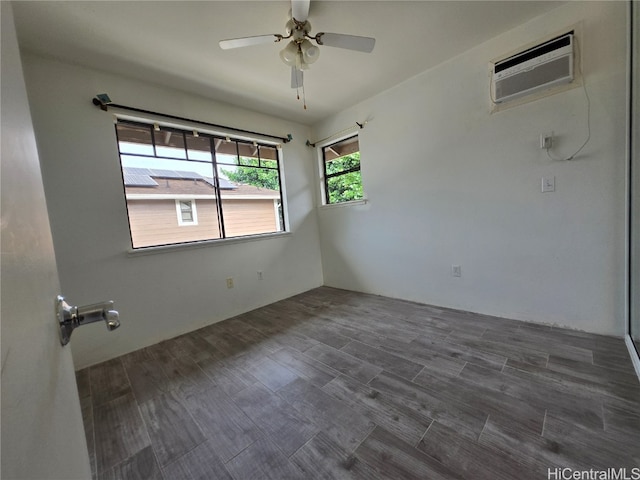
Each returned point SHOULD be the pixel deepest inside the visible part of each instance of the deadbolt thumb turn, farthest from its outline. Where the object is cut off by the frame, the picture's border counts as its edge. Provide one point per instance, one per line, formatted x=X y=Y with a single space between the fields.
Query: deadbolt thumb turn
x=70 y=317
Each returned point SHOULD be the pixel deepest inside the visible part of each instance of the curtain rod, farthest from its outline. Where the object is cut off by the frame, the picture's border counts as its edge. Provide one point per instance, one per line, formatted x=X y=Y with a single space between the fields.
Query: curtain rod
x=345 y=130
x=104 y=102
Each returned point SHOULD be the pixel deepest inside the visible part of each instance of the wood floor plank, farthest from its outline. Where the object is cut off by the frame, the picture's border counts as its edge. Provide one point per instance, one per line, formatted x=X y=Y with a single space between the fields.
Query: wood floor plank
x=323 y=459
x=522 y=446
x=324 y=335
x=519 y=353
x=141 y=466
x=294 y=340
x=467 y=420
x=108 y=381
x=345 y=426
x=582 y=409
x=593 y=449
x=621 y=418
x=400 y=420
x=393 y=458
x=610 y=377
x=285 y=427
x=471 y=459
x=563 y=338
x=201 y=463
x=147 y=378
x=183 y=373
x=530 y=339
x=270 y=373
x=387 y=361
x=575 y=380
x=437 y=363
x=171 y=429
x=344 y=363
x=316 y=373
x=227 y=376
x=617 y=360
x=489 y=360
x=83 y=382
x=119 y=431
x=262 y=461
x=228 y=429
x=190 y=345
x=502 y=408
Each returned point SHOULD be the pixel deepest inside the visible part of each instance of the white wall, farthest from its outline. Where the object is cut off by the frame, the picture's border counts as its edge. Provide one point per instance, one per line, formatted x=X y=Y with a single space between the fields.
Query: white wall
x=450 y=183
x=160 y=295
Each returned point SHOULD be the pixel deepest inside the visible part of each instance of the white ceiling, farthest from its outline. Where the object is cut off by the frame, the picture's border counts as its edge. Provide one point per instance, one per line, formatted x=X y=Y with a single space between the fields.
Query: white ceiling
x=175 y=43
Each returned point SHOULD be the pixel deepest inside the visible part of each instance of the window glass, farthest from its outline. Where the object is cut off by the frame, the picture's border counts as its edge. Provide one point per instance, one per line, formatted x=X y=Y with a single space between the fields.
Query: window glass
x=186 y=211
x=242 y=179
x=171 y=181
x=341 y=168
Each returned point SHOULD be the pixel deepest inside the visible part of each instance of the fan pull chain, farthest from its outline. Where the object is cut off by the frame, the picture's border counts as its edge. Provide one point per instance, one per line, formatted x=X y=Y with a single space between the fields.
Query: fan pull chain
x=304 y=98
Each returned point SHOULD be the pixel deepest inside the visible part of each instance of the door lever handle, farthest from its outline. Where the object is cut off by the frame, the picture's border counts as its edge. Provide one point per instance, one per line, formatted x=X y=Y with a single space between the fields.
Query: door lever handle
x=71 y=317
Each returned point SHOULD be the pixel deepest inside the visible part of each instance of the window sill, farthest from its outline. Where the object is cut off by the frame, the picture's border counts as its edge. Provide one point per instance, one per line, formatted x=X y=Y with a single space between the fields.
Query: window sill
x=135 y=252
x=344 y=204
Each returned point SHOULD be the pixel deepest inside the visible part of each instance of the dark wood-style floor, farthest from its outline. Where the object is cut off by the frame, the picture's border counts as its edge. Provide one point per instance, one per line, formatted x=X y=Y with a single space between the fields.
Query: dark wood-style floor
x=334 y=384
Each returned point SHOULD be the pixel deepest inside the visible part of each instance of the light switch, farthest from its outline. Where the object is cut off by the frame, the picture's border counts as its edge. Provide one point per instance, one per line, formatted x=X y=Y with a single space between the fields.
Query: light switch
x=548 y=184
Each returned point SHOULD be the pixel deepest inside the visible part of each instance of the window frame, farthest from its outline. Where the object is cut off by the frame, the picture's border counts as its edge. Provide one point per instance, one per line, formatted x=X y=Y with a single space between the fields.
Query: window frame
x=326 y=201
x=213 y=136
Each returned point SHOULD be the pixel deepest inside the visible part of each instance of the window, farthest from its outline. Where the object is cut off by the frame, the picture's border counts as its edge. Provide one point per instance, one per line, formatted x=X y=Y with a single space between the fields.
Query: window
x=186 y=210
x=341 y=171
x=217 y=186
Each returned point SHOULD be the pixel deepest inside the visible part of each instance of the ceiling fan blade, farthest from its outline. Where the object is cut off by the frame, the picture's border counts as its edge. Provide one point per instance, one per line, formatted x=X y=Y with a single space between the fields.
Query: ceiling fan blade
x=300 y=9
x=296 y=78
x=248 y=41
x=350 y=42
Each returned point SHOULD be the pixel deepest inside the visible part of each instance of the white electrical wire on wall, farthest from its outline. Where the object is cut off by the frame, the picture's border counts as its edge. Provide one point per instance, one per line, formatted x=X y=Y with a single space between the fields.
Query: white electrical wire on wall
x=586 y=94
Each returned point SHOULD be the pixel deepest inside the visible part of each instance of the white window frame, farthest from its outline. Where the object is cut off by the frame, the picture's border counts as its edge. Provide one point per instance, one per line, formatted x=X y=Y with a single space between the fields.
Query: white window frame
x=194 y=212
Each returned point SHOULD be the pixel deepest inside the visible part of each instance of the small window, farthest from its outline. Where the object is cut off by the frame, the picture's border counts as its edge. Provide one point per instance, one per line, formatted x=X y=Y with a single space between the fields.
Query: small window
x=341 y=168
x=186 y=210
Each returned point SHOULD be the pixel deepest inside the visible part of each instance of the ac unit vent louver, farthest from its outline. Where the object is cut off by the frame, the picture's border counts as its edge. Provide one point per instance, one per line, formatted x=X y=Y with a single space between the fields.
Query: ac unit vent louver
x=540 y=67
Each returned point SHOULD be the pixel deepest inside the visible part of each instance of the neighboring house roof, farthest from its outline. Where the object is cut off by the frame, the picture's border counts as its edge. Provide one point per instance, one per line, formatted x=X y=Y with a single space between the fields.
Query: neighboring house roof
x=155 y=183
x=144 y=177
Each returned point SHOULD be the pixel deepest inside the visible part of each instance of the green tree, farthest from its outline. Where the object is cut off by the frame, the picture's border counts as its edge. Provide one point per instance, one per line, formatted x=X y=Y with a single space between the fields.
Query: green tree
x=347 y=186
x=258 y=177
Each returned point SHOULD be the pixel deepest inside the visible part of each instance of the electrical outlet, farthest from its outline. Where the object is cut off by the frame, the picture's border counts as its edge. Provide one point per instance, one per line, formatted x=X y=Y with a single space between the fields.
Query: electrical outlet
x=259 y=274
x=456 y=270
x=230 y=282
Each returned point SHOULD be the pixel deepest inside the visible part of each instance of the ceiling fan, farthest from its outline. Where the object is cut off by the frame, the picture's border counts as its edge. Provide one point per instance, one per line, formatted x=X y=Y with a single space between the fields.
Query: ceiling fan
x=299 y=53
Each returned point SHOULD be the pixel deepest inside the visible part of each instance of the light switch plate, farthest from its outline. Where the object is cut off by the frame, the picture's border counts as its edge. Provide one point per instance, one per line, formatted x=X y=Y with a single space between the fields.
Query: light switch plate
x=548 y=184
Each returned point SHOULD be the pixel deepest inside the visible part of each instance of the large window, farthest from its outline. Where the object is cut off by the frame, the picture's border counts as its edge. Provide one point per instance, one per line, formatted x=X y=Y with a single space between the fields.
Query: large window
x=341 y=165
x=217 y=186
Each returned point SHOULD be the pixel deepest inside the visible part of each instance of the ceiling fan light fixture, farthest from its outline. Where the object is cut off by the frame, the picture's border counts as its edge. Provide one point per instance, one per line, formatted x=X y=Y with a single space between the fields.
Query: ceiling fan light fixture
x=310 y=53
x=289 y=54
x=289 y=27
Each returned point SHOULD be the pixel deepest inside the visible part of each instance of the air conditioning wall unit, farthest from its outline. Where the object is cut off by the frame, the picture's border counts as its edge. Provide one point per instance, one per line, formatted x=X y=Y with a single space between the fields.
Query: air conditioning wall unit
x=540 y=67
